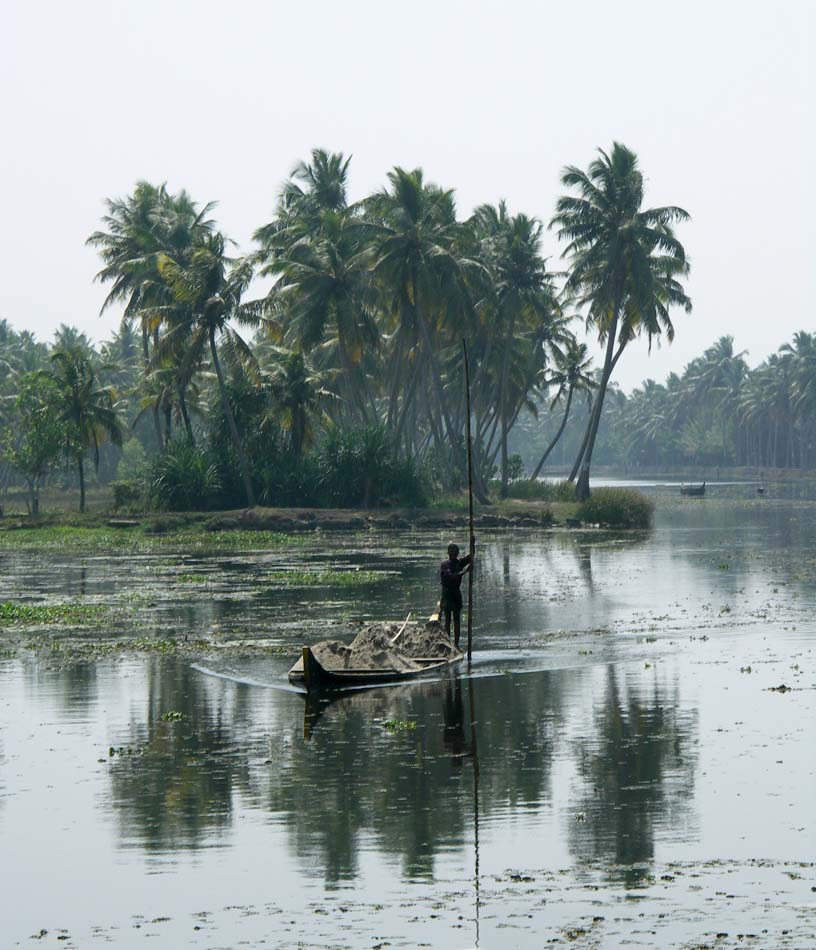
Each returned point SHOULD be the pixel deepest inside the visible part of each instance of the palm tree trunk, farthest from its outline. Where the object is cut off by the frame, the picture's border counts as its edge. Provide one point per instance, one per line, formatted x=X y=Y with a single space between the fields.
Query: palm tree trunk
x=185 y=415
x=503 y=404
x=146 y=357
x=395 y=386
x=298 y=431
x=236 y=438
x=554 y=442
x=582 y=488
x=490 y=454
x=582 y=449
x=353 y=396
x=436 y=379
x=81 y=469
x=406 y=406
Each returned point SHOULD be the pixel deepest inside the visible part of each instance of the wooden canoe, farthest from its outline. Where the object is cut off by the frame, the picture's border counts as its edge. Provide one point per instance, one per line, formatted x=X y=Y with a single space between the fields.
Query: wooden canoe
x=309 y=673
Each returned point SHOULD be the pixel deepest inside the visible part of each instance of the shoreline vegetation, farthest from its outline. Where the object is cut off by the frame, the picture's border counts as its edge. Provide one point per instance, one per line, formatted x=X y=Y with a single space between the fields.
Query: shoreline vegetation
x=347 y=391
x=550 y=507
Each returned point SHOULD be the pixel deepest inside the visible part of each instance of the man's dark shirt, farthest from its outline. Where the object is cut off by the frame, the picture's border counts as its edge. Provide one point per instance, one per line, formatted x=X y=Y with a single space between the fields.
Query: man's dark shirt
x=448 y=570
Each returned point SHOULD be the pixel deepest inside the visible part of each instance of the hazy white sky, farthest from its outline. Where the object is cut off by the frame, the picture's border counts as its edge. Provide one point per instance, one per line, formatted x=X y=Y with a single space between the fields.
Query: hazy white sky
x=489 y=98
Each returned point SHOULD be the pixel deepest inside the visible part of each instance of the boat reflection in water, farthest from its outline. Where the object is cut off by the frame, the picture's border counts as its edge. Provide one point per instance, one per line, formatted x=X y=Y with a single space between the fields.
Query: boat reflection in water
x=459 y=736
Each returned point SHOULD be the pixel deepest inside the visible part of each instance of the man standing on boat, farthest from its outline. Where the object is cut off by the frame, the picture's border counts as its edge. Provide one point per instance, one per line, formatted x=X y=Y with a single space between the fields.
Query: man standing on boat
x=451 y=573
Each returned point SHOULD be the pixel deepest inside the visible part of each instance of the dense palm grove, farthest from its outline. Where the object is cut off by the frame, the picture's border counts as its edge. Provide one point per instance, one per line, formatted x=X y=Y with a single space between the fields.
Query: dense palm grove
x=718 y=413
x=343 y=385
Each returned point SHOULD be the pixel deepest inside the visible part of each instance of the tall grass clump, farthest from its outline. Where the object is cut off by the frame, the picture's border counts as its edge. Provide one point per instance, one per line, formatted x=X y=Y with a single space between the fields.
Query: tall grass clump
x=363 y=467
x=184 y=477
x=617 y=508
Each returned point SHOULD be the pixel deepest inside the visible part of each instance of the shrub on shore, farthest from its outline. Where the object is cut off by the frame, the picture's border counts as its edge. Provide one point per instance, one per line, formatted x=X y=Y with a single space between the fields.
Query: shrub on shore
x=351 y=468
x=184 y=477
x=617 y=508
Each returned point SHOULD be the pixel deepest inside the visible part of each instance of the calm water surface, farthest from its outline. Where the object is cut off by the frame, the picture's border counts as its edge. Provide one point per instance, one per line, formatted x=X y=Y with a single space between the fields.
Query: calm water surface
x=607 y=771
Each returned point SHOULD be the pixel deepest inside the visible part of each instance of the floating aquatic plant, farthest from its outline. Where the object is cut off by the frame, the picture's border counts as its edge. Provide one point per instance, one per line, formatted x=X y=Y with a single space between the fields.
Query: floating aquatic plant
x=398 y=725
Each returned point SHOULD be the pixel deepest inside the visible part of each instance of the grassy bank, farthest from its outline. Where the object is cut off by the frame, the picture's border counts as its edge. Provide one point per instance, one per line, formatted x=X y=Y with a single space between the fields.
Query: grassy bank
x=545 y=507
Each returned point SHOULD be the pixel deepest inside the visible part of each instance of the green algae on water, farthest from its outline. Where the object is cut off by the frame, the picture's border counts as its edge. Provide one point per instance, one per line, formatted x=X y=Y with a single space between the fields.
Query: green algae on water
x=328 y=578
x=143 y=540
x=14 y=614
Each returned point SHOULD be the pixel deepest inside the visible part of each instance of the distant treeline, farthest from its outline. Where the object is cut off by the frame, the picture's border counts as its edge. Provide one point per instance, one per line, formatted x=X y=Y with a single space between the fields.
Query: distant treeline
x=717 y=413
x=349 y=386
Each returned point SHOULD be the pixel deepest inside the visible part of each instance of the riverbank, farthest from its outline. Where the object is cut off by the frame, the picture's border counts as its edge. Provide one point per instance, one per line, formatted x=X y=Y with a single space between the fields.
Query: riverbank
x=108 y=526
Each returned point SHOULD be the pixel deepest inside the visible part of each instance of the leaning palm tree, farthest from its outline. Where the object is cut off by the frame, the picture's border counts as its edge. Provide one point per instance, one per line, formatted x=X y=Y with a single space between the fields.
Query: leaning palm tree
x=206 y=289
x=87 y=410
x=571 y=375
x=624 y=264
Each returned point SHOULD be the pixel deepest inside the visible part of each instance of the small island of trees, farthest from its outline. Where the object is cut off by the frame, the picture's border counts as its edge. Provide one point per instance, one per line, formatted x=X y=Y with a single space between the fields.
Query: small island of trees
x=343 y=385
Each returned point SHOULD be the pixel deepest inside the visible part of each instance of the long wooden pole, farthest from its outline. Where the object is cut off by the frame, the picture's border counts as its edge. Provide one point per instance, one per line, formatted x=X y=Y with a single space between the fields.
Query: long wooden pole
x=470 y=507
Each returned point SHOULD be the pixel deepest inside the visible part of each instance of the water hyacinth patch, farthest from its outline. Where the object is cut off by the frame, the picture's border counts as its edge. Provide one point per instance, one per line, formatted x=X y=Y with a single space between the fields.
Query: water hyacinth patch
x=398 y=725
x=155 y=536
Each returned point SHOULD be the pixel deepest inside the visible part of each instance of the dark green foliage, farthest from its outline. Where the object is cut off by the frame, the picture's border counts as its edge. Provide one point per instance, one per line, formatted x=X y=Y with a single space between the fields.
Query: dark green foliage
x=184 y=477
x=617 y=508
x=351 y=468
x=129 y=494
x=515 y=467
x=288 y=481
x=36 y=437
x=364 y=467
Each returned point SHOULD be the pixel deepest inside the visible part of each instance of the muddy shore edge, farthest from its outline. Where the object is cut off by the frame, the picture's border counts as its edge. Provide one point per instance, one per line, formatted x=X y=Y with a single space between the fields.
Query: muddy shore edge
x=295 y=520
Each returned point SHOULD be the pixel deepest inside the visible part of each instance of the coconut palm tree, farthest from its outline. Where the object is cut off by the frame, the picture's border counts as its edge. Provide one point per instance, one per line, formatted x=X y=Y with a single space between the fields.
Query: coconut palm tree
x=86 y=410
x=714 y=381
x=420 y=265
x=571 y=375
x=312 y=189
x=323 y=290
x=521 y=298
x=316 y=250
x=138 y=230
x=803 y=388
x=624 y=264
x=206 y=288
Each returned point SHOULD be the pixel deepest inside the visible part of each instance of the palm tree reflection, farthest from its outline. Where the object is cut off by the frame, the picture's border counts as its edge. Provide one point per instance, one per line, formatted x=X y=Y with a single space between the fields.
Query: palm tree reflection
x=638 y=773
x=174 y=788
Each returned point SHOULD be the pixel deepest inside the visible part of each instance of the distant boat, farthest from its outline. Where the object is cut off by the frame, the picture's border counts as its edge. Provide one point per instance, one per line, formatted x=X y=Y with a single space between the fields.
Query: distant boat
x=693 y=491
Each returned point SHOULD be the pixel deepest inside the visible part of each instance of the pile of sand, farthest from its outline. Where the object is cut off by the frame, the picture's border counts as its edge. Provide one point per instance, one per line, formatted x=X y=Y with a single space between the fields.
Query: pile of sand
x=373 y=649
